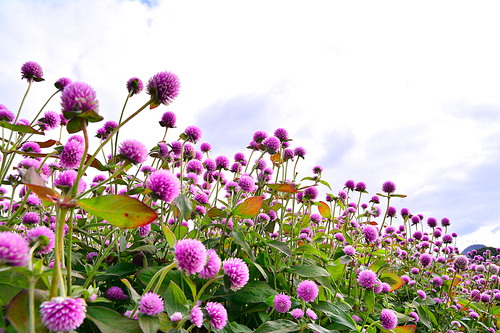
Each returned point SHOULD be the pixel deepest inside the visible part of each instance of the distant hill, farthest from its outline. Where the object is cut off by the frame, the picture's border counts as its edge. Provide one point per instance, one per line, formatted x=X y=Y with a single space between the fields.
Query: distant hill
x=472 y=247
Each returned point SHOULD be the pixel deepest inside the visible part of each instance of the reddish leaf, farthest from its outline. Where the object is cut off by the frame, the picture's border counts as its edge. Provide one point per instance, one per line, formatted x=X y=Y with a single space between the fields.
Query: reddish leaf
x=96 y=164
x=282 y=188
x=48 y=143
x=249 y=208
x=405 y=329
x=215 y=212
x=372 y=223
x=392 y=279
x=324 y=210
x=275 y=158
x=119 y=210
x=36 y=184
x=18 y=311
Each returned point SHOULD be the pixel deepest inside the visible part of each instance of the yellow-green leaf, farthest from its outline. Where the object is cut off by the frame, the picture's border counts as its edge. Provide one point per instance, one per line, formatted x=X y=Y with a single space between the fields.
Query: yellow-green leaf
x=324 y=210
x=249 y=208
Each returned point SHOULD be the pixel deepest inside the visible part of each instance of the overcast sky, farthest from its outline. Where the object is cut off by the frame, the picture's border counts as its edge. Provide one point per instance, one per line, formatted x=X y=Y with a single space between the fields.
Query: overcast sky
x=374 y=90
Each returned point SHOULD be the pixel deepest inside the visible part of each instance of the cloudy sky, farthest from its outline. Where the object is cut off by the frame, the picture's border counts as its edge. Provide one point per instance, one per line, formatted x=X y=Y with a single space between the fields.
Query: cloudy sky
x=374 y=90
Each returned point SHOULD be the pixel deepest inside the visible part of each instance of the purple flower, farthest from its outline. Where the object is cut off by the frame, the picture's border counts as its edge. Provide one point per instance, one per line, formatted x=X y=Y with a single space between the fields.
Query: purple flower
x=150 y=304
x=371 y=233
x=300 y=152
x=72 y=154
x=205 y=147
x=415 y=317
x=367 y=279
x=194 y=166
x=415 y=220
x=259 y=136
x=32 y=71
x=272 y=144
x=191 y=255
x=237 y=271
x=281 y=134
x=62 y=83
x=128 y=313
x=31 y=218
x=134 y=86
x=217 y=314
x=222 y=162
x=461 y=262
x=193 y=134
x=297 y=313
x=212 y=267
x=389 y=187
x=474 y=315
x=196 y=316
x=311 y=314
x=448 y=239
x=134 y=151
x=425 y=260
x=13 y=249
x=31 y=147
x=431 y=222
x=388 y=319
x=91 y=255
x=405 y=212
x=63 y=120
x=349 y=250
x=6 y=115
x=144 y=230
x=246 y=183
x=360 y=187
x=168 y=120
x=210 y=164
x=164 y=185
x=307 y=290
x=116 y=294
x=65 y=179
x=445 y=222
x=282 y=303
x=163 y=87
x=78 y=97
x=51 y=119
x=350 y=184
x=421 y=293
x=33 y=235
x=63 y=314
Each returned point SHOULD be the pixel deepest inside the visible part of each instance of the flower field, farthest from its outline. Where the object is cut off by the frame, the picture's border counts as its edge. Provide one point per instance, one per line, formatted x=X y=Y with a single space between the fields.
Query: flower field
x=175 y=238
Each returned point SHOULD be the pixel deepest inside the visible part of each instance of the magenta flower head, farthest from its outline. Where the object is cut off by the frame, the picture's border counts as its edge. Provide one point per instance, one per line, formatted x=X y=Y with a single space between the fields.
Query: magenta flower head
x=272 y=144
x=282 y=303
x=32 y=71
x=196 y=316
x=307 y=291
x=133 y=151
x=78 y=97
x=51 y=120
x=388 y=319
x=193 y=134
x=168 y=120
x=164 y=185
x=297 y=313
x=371 y=233
x=445 y=221
x=62 y=83
x=300 y=152
x=212 y=267
x=65 y=179
x=237 y=271
x=259 y=136
x=134 y=86
x=31 y=218
x=191 y=255
x=63 y=314
x=72 y=154
x=13 y=249
x=281 y=134
x=389 y=187
x=367 y=279
x=5 y=114
x=205 y=147
x=163 y=87
x=46 y=237
x=246 y=183
x=217 y=314
x=360 y=187
x=461 y=262
x=222 y=162
x=116 y=294
x=425 y=260
x=151 y=304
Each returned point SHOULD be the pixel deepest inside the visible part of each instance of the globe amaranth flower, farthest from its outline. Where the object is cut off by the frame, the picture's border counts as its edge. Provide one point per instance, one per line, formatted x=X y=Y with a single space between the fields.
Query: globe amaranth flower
x=415 y=220
x=367 y=279
x=194 y=166
x=360 y=187
x=311 y=314
x=63 y=314
x=307 y=291
x=461 y=262
x=205 y=147
x=272 y=144
x=134 y=86
x=78 y=97
x=259 y=136
x=425 y=260
x=222 y=162
x=282 y=303
x=66 y=179
x=350 y=184
x=246 y=183
x=62 y=83
x=193 y=134
x=349 y=250
x=32 y=71
x=388 y=187
x=31 y=147
x=422 y=294
x=297 y=313
x=168 y=120
x=150 y=304
x=144 y=230
x=31 y=218
x=281 y=134
x=445 y=222
x=300 y=152
x=6 y=115
x=310 y=193
x=133 y=151
x=388 y=319
x=196 y=316
x=13 y=249
x=212 y=267
x=191 y=255
x=217 y=314
x=51 y=120
x=38 y=233
x=370 y=233
x=116 y=293
x=163 y=87
x=72 y=154
x=128 y=313
x=237 y=271
x=164 y=185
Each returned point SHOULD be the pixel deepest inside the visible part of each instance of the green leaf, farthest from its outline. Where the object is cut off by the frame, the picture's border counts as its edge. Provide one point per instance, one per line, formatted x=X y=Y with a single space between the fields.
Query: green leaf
x=252 y=292
x=19 y=128
x=134 y=294
x=122 y=269
x=310 y=249
x=239 y=238
x=185 y=205
x=148 y=324
x=119 y=210
x=278 y=326
x=392 y=279
x=215 y=212
x=169 y=235
x=249 y=208
x=319 y=329
x=308 y=271
x=341 y=320
x=18 y=311
x=426 y=317
x=237 y=328
x=280 y=246
x=11 y=283
x=108 y=321
x=287 y=188
x=175 y=300
x=370 y=299
x=326 y=184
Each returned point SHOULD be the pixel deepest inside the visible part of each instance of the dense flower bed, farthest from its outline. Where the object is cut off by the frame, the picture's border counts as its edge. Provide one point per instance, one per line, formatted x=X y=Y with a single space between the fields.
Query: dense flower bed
x=175 y=239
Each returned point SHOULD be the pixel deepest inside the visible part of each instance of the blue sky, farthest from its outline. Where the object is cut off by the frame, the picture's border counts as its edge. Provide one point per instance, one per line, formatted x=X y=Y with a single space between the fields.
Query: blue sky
x=374 y=91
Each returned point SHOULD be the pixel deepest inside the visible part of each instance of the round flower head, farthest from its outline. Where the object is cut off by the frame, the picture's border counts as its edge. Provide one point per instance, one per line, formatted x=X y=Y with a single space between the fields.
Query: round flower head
x=150 y=304
x=371 y=233
x=237 y=271
x=211 y=269
x=311 y=314
x=388 y=319
x=422 y=294
x=72 y=154
x=191 y=255
x=307 y=290
x=310 y=193
x=259 y=136
x=246 y=183
x=367 y=279
x=62 y=83
x=281 y=134
x=78 y=97
x=168 y=120
x=350 y=184
x=349 y=250
x=164 y=185
x=13 y=249
x=163 y=87
x=116 y=294
x=134 y=86
x=272 y=144
x=217 y=314
x=447 y=238
x=134 y=151
x=415 y=220
x=193 y=134
x=205 y=147
x=425 y=260
x=405 y=212
x=282 y=303
x=48 y=244
x=389 y=187
x=32 y=71
x=63 y=314
x=31 y=147
x=31 y=218
x=6 y=115
x=196 y=316
x=360 y=187
x=461 y=262
x=300 y=152
x=431 y=222
x=297 y=313
x=222 y=162
x=51 y=120
x=445 y=221
x=65 y=179
x=144 y=230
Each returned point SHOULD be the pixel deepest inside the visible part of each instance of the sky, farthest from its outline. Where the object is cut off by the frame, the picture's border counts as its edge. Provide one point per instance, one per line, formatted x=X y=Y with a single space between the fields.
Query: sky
x=373 y=90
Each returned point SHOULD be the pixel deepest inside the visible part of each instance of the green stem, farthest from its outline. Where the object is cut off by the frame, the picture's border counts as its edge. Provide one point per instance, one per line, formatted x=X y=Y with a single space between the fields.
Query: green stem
x=43 y=107
x=58 y=252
